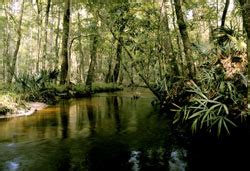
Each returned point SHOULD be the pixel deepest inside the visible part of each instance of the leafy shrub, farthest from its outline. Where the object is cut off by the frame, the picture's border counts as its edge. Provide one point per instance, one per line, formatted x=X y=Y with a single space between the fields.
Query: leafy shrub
x=214 y=103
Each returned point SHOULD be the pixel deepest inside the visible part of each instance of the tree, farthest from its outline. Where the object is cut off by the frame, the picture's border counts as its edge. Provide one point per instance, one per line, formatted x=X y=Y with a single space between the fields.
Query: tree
x=224 y=14
x=185 y=38
x=245 y=6
x=57 y=39
x=169 y=46
x=121 y=24
x=46 y=34
x=65 y=41
x=93 y=51
x=12 y=67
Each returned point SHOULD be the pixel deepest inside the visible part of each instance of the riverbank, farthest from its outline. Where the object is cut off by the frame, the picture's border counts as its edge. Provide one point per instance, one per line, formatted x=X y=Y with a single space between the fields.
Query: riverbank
x=14 y=103
x=29 y=109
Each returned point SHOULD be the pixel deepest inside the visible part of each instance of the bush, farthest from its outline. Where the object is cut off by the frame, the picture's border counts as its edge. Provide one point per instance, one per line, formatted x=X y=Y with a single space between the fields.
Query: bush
x=215 y=103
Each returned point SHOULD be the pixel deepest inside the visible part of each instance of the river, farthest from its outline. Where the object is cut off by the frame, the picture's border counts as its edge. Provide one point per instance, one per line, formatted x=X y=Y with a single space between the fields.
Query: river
x=108 y=131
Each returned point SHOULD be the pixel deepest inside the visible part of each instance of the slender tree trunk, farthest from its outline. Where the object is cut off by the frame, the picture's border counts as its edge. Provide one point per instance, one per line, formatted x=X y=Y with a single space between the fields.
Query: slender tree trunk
x=224 y=14
x=178 y=41
x=122 y=23
x=39 y=24
x=110 y=61
x=69 y=56
x=19 y=37
x=81 y=67
x=245 y=6
x=57 y=48
x=130 y=75
x=46 y=34
x=169 y=47
x=118 y=59
x=65 y=42
x=108 y=76
x=121 y=77
x=185 y=38
x=91 y=71
x=6 y=53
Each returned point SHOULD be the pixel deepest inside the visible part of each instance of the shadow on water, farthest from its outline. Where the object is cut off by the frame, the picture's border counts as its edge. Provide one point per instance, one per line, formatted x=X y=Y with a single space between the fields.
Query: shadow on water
x=227 y=153
x=108 y=154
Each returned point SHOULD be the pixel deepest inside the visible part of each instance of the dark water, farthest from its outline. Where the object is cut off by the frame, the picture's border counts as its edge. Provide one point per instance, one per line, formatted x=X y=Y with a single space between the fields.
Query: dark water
x=105 y=132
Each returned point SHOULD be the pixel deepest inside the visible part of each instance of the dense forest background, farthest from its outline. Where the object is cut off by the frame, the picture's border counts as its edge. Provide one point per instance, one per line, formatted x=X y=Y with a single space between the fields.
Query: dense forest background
x=179 y=49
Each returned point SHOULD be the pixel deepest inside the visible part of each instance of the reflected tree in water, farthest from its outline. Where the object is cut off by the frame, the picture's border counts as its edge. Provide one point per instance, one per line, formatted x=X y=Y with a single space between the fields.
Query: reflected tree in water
x=64 y=114
x=91 y=118
x=116 y=114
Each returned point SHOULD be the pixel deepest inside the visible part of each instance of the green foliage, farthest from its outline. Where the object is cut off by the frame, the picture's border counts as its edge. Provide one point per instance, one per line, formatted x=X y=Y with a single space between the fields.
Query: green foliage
x=229 y=40
x=103 y=87
x=214 y=104
x=32 y=86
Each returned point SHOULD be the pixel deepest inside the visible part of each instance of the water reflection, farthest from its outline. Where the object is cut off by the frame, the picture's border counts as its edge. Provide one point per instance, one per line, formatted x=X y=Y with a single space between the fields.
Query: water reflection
x=12 y=165
x=177 y=161
x=135 y=160
x=98 y=133
x=91 y=118
x=64 y=114
x=117 y=114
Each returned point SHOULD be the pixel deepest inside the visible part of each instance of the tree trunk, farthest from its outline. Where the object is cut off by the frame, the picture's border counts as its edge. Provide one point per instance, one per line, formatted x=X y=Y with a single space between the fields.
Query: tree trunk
x=178 y=42
x=46 y=35
x=6 y=53
x=245 y=6
x=169 y=47
x=65 y=42
x=110 y=61
x=91 y=71
x=19 y=37
x=122 y=24
x=118 y=59
x=224 y=14
x=185 y=38
x=81 y=67
x=57 y=39
x=39 y=24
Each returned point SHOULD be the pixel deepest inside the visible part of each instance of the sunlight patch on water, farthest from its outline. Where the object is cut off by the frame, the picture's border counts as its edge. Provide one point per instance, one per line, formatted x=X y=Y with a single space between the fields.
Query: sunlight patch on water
x=177 y=162
x=12 y=165
x=11 y=145
x=134 y=160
